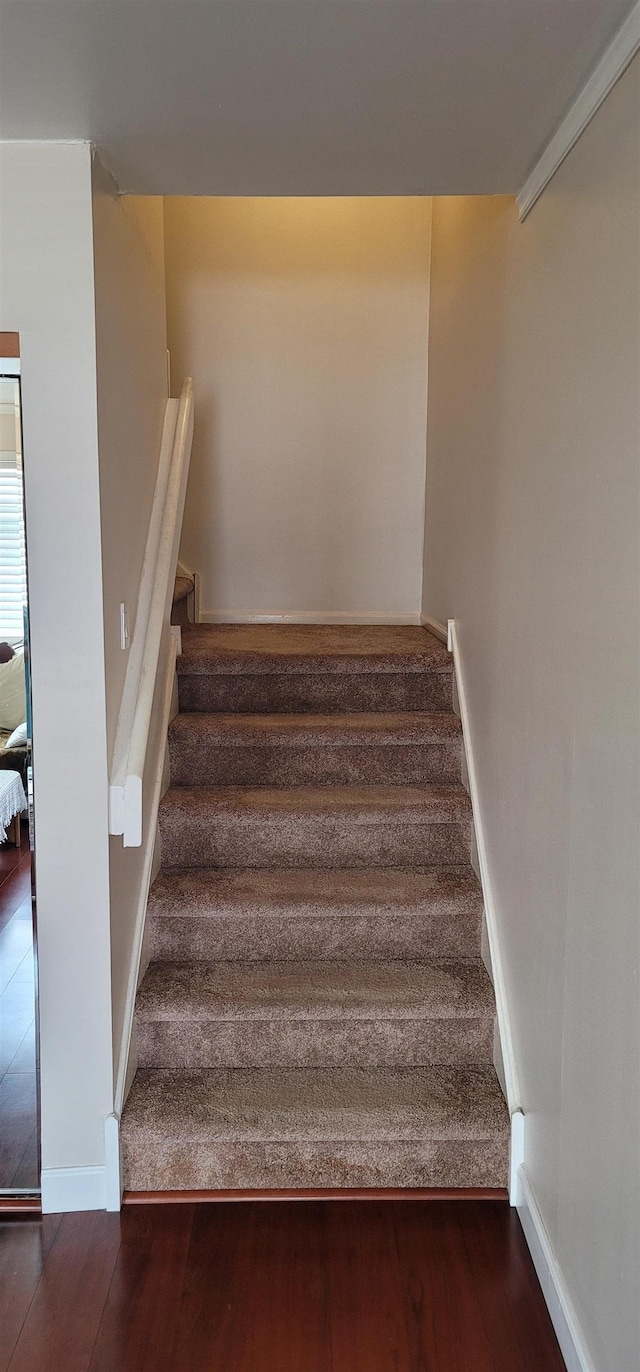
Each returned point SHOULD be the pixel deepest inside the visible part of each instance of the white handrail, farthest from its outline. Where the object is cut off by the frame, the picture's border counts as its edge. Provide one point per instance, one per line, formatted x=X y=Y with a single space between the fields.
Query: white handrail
x=152 y=621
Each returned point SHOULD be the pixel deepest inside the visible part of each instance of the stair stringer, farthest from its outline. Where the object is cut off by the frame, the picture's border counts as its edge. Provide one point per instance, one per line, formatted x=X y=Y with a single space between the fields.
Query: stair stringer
x=504 y=1053
x=126 y=1061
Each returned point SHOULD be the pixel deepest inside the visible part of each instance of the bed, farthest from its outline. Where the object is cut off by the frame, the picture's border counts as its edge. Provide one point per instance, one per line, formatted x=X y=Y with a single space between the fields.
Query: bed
x=13 y=802
x=15 y=753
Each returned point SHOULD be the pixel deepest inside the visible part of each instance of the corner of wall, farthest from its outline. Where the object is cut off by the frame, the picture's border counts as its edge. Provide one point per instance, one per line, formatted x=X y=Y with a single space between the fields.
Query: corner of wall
x=424 y=587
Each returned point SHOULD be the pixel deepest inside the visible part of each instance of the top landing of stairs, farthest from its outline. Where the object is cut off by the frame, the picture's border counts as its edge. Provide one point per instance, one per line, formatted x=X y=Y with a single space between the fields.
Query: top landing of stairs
x=246 y=648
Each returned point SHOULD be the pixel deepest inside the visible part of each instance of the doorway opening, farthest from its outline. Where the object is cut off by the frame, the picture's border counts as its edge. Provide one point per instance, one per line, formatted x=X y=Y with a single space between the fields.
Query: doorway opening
x=19 y=1114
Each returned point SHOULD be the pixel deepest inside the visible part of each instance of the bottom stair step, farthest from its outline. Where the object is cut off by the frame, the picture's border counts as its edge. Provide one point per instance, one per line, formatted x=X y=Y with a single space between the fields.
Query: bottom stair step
x=300 y=1128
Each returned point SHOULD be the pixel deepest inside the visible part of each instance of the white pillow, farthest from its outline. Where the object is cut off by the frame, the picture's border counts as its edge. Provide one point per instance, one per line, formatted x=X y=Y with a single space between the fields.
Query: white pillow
x=13 y=694
x=18 y=738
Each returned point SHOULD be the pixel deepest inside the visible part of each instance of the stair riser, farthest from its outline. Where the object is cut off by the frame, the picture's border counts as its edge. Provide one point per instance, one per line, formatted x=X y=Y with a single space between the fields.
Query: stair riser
x=309 y=841
x=192 y=1045
x=203 y=762
x=288 y=1166
x=326 y=693
x=245 y=938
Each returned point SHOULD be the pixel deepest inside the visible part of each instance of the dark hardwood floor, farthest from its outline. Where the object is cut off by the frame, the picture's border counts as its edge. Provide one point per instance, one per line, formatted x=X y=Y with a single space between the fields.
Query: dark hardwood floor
x=317 y=1286
x=18 y=1087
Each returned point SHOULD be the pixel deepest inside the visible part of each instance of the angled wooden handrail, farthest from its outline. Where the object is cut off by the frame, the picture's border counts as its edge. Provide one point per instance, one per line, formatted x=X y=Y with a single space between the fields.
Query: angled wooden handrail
x=152 y=624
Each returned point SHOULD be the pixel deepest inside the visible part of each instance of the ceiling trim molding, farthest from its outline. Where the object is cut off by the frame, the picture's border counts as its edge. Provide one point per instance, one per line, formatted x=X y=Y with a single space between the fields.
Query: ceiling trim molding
x=48 y=142
x=613 y=63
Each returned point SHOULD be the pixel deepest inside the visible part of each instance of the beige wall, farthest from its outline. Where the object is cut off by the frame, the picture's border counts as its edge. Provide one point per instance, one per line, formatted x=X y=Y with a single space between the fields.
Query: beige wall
x=304 y=325
x=46 y=293
x=146 y=212
x=131 y=347
x=532 y=546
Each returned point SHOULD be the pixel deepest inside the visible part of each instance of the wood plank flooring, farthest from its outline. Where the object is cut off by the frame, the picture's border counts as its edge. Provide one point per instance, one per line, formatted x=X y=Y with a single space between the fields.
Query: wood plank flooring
x=315 y=1286
x=18 y=1088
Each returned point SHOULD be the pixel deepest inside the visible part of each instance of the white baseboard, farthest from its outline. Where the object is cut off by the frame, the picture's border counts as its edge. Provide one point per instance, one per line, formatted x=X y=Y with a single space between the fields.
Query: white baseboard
x=435 y=626
x=513 y=1094
x=563 y=1316
x=308 y=617
x=112 y=1168
x=73 y=1188
x=504 y=1055
x=65 y=1189
x=516 y=1151
x=499 y=1066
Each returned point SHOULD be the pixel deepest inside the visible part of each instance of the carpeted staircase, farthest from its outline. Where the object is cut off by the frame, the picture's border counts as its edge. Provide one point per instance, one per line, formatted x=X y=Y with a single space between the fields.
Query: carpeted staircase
x=315 y=1013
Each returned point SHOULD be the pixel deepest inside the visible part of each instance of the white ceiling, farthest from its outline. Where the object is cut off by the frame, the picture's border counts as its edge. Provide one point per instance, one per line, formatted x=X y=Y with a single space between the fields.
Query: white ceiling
x=308 y=97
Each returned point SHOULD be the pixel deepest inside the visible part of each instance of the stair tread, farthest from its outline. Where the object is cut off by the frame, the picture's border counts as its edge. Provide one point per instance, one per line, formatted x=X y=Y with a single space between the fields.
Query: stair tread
x=316 y=990
x=294 y=648
x=430 y=804
x=210 y=892
x=316 y=730
x=301 y=1105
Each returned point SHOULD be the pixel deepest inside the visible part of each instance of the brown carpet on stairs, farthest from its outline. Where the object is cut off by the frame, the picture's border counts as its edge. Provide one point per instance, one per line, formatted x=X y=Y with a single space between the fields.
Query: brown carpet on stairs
x=316 y=1012
x=410 y=749
x=346 y=826
x=298 y=668
x=206 y=915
